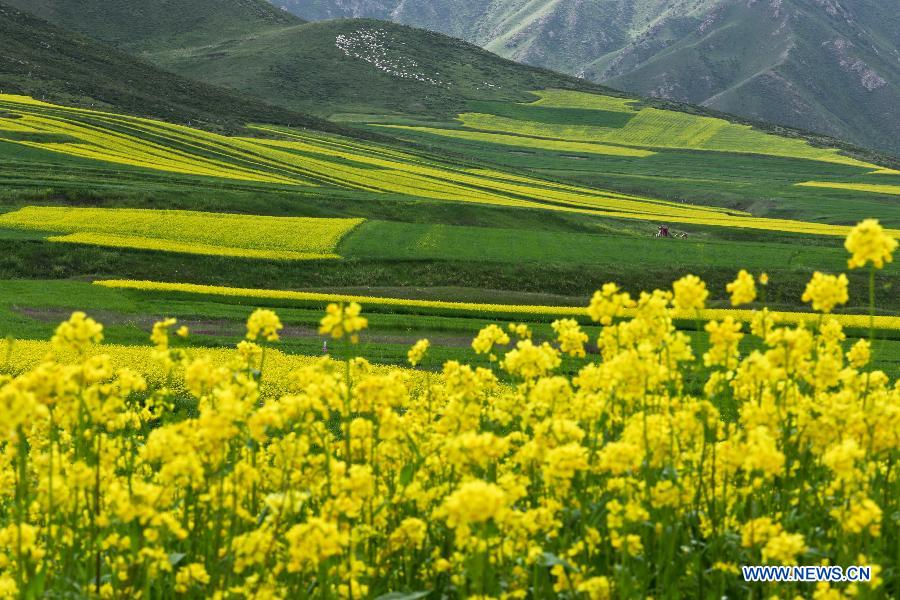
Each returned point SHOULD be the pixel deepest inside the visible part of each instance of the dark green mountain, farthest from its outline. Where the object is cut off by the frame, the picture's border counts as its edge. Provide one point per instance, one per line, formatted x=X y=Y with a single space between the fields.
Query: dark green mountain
x=41 y=60
x=341 y=66
x=831 y=66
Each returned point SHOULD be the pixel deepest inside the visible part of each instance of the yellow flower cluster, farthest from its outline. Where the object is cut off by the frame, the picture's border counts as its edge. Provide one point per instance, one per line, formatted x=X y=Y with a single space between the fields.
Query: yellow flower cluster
x=742 y=289
x=869 y=243
x=650 y=472
x=341 y=320
x=417 y=353
x=825 y=292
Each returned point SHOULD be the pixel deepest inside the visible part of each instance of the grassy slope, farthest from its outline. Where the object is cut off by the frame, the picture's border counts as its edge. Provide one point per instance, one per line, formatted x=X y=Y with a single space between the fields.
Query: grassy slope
x=44 y=61
x=136 y=25
x=775 y=61
x=302 y=67
x=261 y=51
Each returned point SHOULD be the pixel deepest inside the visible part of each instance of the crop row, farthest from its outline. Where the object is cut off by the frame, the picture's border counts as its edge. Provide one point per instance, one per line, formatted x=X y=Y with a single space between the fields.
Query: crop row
x=315 y=159
x=874 y=188
x=854 y=321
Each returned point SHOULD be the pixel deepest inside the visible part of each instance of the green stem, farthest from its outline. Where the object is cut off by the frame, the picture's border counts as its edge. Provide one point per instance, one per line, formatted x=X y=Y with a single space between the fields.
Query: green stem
x=872 y=307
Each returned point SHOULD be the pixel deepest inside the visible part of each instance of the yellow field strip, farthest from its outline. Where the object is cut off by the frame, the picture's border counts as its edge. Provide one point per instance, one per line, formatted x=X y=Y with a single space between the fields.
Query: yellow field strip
x=874 y=188
x=313 y=159
x=527 y=142
x=162 y=245
x=221 y=234
x=881 y=322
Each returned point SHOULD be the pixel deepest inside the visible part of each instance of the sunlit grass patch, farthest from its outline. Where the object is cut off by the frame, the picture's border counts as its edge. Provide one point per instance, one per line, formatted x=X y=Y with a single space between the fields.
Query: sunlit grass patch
x=529 y=142
x=573 y=99
x=654 y=128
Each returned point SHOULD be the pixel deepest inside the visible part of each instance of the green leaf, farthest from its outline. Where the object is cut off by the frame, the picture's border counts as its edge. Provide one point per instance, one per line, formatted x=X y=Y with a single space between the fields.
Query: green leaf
x=551 y=560
x=407 y=474
x=404 y=595
x=176 y=557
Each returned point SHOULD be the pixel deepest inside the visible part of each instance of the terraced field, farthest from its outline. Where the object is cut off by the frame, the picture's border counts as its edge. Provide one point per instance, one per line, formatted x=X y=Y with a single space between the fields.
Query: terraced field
x=647 y=128
x=433 y=234
x=316 y=160
x=188 y=232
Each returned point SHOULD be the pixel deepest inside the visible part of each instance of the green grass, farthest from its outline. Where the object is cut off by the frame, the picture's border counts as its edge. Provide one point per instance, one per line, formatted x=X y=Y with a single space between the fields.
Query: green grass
x=53 y=63
x=763 y=185
x=31 y=310
x=378 y=240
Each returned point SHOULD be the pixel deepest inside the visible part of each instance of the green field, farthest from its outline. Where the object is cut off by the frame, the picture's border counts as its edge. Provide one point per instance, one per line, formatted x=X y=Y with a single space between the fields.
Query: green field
x=442 y=217
x=32 y=309
x=239 y=426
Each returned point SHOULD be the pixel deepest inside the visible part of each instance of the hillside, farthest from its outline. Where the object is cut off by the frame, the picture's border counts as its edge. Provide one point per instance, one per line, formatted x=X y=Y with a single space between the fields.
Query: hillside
x=342 y=66
x=137 y=25
x=829 y=66
x=44 y=61
x=367 y=66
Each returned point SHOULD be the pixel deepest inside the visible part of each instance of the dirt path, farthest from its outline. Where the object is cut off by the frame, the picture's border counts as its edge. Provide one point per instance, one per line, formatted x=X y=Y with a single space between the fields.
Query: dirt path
x=236 y=329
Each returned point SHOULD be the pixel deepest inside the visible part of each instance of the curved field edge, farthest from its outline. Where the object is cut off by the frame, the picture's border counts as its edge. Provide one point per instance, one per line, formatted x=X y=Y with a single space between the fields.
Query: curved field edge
x=192 y=232
x=349 y=164
x=163 y=245
x=847 y=320
x=873 y=188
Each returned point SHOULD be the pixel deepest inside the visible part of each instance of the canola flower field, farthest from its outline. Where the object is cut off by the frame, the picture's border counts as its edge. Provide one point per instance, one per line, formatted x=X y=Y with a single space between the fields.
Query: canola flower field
x=860 y=187
x=277 y=238
x=479 y=308
x=313 y=161
x=343 y=480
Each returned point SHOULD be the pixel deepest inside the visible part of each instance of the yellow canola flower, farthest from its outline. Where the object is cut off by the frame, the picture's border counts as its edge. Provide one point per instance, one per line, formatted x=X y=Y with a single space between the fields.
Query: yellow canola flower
x=742 y=289
x=312 y=543
x=868 y=242
x=263 y=323
x=341 y=320
x=609 y=303
x=690 y=293
x=78 y=333
x=529 y=361
x=825 y=292
x=189 y=576
x=571 y=338
x=417 y=353
x=474 y=502
x=860 y=354
x=784 y=548
x=487 y=338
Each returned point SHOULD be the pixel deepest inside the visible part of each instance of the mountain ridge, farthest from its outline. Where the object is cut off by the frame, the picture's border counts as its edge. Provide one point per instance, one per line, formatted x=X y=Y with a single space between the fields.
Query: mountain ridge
x=44 y=61
x=818 y=65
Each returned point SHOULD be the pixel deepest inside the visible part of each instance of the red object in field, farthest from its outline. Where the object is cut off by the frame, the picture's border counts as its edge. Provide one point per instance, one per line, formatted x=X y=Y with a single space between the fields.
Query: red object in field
x=663 y=231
